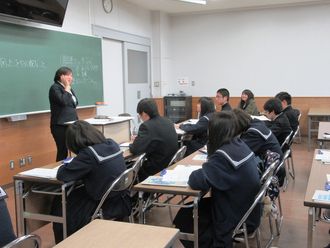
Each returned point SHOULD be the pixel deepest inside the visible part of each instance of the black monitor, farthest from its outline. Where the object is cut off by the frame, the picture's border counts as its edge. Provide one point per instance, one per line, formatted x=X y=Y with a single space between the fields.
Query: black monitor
x=43 y=11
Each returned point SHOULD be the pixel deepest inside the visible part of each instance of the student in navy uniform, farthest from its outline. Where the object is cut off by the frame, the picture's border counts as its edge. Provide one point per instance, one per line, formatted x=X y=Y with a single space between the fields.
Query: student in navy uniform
x=259 y=138
x=6 y=228
x=205 y=108
x=156 y=137
x=247 y=103
x=232 y=177
x=279 y=123
x=290 y=112
x=222 y=99
x=63 y=103
x=98 y=163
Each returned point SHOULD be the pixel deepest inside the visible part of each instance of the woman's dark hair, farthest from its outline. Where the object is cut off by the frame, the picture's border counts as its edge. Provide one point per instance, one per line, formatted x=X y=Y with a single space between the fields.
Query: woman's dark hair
x=61 y=71
x=243 y=120
x=250 y=95
x=207 y=105
x=273 y=104
x=148 y=106
x=222 y=129
x=81 y=134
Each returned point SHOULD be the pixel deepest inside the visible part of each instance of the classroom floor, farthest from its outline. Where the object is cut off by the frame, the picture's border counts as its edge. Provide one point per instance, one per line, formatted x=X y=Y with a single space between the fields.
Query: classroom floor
x=294 y=229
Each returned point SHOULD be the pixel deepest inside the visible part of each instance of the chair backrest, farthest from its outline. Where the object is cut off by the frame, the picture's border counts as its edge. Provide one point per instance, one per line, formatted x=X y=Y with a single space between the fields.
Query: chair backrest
x=282 y=162
x=269 y=171
x=178 y=155
x=294 y=135
x=241 y=226
x=122 y=182
x=26 y=241
x=136 y=167
x=287 y=140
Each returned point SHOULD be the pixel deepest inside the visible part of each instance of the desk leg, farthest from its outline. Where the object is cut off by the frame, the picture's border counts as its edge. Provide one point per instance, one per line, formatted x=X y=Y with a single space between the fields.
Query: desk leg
x=309 y=132
x=311 y=218
x=195 y=215
x=64 y=211
x=141 y=214
x=20 y=228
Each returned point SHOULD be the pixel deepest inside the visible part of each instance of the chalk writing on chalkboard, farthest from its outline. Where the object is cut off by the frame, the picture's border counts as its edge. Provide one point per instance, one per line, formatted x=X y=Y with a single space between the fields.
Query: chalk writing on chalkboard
x=23 y=63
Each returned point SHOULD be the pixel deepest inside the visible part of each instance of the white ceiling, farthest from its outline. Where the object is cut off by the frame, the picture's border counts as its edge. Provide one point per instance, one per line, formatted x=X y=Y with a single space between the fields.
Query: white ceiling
x=176 y=7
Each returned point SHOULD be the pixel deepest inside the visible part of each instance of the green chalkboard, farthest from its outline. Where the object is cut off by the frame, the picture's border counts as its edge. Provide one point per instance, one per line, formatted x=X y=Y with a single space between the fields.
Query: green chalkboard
x=29 y=58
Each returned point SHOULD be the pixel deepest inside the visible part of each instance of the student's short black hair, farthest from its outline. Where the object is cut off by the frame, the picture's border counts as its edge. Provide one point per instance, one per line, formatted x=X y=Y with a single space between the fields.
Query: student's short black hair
x=81 y=134
x=224 y=92
x=148 y=106
x=207 y=105
x=273 y=104
x=61 y=71
x=243 y=120
x=284 y=96
x=222 y=129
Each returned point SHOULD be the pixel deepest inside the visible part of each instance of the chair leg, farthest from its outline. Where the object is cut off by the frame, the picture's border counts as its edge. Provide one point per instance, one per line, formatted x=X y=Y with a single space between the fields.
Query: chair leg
x=279 y=219
x=291 y=171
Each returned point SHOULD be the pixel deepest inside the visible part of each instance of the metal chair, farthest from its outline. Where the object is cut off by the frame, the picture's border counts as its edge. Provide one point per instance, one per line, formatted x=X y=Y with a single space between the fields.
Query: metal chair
x=123 y=181
x=136 y=167
x=179 y=155
x=241 y=227
x=26 y=241
x=298 y=136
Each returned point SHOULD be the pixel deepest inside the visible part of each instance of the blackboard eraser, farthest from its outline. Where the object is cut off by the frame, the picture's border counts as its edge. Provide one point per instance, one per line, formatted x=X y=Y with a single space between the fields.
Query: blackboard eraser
x=17 y=118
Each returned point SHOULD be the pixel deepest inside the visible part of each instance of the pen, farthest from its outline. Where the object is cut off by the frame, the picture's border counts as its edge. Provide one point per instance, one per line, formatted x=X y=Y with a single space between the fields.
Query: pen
x=203 y=151
x=163 y=172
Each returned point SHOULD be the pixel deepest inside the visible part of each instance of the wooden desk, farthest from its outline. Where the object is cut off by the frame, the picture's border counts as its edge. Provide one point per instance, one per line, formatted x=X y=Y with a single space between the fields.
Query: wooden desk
x=105 y=233
x=317 y=179
x=315 y=115
x=117 y=128
x=324 y=127
x=33 y=199
x=174 y=191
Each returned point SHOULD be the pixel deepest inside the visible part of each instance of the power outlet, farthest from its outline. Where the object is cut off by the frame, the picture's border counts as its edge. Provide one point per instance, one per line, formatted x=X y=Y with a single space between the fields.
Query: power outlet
x=22 y=162
x=29 y=159
x=11 y=164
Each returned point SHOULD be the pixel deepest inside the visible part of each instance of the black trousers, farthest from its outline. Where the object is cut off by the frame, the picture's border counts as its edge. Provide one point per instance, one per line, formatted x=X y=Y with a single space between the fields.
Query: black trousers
x=58 y=132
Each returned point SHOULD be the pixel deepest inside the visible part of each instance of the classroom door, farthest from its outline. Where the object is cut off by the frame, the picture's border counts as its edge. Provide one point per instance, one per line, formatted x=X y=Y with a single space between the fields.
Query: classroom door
x=136 y=76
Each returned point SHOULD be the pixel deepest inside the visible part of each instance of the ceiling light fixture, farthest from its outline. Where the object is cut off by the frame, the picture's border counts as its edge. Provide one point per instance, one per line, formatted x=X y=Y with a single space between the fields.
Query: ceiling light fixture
x=194 y=1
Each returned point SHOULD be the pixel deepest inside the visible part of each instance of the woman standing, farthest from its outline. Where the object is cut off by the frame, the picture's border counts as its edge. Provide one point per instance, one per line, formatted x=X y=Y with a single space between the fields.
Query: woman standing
x=63 y=103
x=247 y=103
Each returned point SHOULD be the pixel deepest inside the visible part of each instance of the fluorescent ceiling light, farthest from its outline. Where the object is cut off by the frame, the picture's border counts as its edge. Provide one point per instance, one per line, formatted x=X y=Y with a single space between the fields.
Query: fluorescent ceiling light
x=194 y=1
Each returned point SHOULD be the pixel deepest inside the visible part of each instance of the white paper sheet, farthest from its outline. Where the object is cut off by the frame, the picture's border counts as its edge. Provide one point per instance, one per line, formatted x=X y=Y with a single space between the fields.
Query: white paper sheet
x=41 y=172
x=321 y=195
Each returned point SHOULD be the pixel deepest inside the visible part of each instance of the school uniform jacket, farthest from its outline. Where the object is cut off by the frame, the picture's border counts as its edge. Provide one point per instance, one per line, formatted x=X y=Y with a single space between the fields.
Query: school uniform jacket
x=231 y=173
x=199 y=131
x=292 y=115
x=260 y=138
x=62 y=106
x=280 y=127
x=226 y=107
x=97 y=166
x=158 y=139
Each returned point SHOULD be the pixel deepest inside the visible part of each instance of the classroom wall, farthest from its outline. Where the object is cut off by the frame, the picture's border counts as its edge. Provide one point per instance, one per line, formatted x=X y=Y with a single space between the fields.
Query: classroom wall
x=266 y=50
x=32 y=137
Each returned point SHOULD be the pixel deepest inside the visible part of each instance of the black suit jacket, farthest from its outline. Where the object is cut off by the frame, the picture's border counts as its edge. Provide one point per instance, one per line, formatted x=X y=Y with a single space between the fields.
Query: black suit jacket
x=292 y=115
x=62 y=106
x=158 y=139
x=280 y=127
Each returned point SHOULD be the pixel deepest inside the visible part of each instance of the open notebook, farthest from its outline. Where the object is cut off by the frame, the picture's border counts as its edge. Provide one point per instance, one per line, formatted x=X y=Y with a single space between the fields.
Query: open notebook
x=41 y=172
x=179 y=176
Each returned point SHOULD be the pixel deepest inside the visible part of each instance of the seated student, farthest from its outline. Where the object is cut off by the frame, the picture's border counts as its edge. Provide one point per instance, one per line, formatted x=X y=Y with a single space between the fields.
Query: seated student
x=291 y=113
x=98 y=163
x=232 y=176
x=205 y=108
x=259 y=138
x=247 y=103
x=6 y=228
x=156 y=137
x=222 y=99
x=279 y=123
